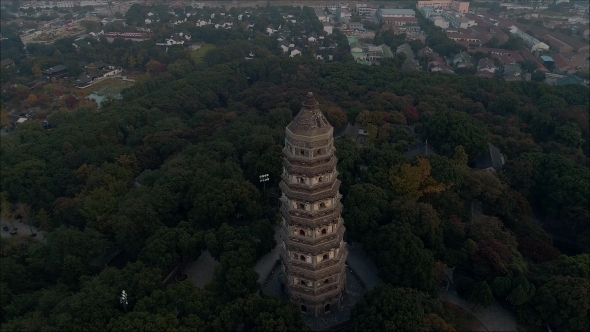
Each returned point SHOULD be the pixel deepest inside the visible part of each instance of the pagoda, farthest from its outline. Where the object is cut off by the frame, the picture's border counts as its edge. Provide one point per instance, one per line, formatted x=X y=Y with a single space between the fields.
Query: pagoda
x=313 y=253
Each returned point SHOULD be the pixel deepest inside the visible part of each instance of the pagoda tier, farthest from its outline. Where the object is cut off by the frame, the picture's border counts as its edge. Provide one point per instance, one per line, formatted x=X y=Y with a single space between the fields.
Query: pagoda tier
x=313 y=253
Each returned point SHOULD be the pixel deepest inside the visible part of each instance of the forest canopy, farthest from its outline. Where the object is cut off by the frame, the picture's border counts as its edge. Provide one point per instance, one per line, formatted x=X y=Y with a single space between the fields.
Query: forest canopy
x=196 y=142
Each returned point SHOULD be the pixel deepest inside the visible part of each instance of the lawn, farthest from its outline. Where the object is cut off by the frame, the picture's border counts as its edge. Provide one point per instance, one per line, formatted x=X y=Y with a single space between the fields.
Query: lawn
x=461 y=319
x=198 y=55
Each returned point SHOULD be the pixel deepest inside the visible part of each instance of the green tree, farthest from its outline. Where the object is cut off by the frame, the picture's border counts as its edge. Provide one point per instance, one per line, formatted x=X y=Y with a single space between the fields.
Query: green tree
x=401 y=257
x=386 y=308
x=562 y=302
x=364 y=209
x=449 y=129
x=482 y=294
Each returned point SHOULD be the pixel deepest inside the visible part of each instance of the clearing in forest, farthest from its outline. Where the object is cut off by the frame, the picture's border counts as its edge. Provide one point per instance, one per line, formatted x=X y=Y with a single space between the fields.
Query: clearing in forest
x=198 y=55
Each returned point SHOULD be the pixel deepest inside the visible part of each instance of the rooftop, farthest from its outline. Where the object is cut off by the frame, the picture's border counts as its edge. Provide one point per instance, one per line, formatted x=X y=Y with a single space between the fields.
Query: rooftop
x=386 y=11
x=310 y=121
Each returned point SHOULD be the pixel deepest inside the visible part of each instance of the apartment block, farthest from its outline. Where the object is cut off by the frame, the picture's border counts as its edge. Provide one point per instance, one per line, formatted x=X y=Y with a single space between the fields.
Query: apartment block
x=458 y=6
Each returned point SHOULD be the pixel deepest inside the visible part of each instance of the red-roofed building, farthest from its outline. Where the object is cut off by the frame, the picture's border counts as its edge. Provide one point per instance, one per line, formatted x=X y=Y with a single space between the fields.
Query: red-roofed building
x=561 y=63
x=527 y=55
x=486 y=65
x=507 y=59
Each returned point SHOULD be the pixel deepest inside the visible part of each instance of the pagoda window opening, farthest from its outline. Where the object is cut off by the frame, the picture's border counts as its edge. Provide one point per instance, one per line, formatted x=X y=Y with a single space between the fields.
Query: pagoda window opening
x=302 y=282
x=300 y=206
x=324 y=231
x=300 y=180
x=303 y=308
x=327 y=281
x=301 y=152
x=322 y=205
x=301 y=232
x=321 y=179
x=327 y=308
x=302 y=258
x=319 y=152
x=325 y=257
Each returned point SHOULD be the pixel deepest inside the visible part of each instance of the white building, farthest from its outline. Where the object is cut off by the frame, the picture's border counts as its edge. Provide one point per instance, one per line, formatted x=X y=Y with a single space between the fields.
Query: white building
x=364 y=9
x=384 y=13
x=328 y=28
x=531 y=42
x=457 y=20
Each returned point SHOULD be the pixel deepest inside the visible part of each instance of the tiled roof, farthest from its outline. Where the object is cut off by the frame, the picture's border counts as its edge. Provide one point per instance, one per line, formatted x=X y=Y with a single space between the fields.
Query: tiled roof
x=560 y=61
x=421 y=150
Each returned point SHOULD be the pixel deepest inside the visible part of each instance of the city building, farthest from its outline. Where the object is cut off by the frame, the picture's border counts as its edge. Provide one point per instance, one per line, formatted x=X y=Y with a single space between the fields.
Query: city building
x=531 y=42
x=364 y=9
x=458 y=6
x=313 y=253
x=457 y=20
x=383 y=13
x=400 y=21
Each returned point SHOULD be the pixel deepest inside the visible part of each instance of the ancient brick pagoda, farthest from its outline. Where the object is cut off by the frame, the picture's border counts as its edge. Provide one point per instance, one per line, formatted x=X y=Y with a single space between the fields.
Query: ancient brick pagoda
x=313 y=252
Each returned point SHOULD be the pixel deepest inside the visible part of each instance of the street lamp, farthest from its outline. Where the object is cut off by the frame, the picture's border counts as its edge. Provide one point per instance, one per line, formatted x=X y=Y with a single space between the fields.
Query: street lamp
x=264 y=179
x=123 y=300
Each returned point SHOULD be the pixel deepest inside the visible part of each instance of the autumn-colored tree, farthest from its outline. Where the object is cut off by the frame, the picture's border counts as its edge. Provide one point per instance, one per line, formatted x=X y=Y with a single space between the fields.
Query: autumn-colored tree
x=366 y=118
x=153 y=67
x=336 y=116
x=36 y=70
x=4 y=120
x=140 y=59
x=412 y=182
x=32 y=98
x=132 y=61
x=71 y=101
x=411 y=114
x=92 y=68
x=25 y=212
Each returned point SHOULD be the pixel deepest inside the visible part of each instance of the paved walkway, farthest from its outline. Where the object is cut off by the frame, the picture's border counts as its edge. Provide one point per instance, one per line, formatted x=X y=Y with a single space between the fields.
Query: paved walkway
x=494 y=317
x=23 y=230
x=267 y=262
x=201 y=271
x=361 y=264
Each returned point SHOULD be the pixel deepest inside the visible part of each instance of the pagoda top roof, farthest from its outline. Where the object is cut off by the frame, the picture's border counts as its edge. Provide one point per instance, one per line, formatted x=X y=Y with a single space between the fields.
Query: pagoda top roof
x=310 y=121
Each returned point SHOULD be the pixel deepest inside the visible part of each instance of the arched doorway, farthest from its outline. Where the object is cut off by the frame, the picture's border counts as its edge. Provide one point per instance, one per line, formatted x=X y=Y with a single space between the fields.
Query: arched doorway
x=327 y=308
x=303 y=308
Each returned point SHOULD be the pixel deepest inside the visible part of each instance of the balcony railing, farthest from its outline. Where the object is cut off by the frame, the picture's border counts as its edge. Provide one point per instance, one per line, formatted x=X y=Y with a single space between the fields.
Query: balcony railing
x=311 y=196
x=309 y=160
x=314 y=250
x=307 y=187
x=311 y=220
x=313 y=297
x=309 y=169
x=317 y=240
x=320 y=290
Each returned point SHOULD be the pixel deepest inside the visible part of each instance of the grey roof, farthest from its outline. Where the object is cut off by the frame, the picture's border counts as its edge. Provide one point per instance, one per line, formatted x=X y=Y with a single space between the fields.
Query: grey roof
x=6 y=62
x=491 y=158
x=55 y=69
x=310 y=121
x=99 y=64
x=569 y=80
x=421 y=150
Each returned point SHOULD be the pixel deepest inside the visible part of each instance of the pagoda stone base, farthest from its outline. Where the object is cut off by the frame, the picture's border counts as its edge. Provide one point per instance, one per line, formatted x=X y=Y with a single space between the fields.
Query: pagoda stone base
x=315 y=316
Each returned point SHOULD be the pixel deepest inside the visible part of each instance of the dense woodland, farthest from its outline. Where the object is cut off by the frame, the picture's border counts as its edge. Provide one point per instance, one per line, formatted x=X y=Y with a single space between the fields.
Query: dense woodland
x=199 y=143
x=197 y=140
